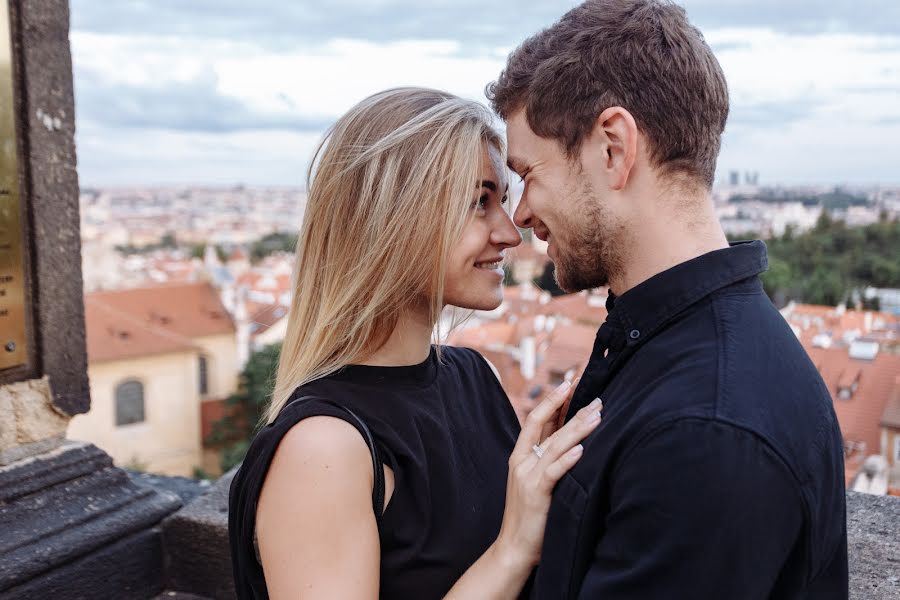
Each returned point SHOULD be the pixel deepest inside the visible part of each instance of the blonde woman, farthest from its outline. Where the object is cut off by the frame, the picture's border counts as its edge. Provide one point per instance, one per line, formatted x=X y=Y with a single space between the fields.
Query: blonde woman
x=390 y=467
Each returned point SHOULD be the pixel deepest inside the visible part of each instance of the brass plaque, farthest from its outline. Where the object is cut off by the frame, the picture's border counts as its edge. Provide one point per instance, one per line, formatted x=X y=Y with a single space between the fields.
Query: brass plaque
x=13 y=346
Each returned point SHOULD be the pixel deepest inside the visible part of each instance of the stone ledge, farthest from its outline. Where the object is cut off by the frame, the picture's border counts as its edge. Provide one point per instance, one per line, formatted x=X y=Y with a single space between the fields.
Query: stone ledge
x=184 y=487
x=873 y=532
x=74 y=526
x=195 y=538
x=198 y=559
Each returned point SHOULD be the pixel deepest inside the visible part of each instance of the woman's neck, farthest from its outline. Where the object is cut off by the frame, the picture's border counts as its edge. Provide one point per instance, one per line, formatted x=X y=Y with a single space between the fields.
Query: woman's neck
x=409 y=344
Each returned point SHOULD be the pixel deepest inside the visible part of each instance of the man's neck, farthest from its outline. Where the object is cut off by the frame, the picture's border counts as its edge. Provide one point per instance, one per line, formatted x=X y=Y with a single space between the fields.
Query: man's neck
x=663 y=241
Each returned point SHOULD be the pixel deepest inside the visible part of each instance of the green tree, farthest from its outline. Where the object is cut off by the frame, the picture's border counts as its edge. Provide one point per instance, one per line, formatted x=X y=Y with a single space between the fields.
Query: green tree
x=824 y=287
x=245 y=408
x=778 y=281
x=168 y=241
x=825 y=265
x=274 y=242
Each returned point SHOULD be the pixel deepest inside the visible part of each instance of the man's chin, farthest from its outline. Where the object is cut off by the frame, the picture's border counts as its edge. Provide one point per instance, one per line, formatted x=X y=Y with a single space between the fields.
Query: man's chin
x=571 y=281
x=563 y=281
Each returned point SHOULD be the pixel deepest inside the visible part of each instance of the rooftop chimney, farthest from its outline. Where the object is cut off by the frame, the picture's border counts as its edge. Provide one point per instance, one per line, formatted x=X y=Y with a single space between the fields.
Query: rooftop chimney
x=528 y=358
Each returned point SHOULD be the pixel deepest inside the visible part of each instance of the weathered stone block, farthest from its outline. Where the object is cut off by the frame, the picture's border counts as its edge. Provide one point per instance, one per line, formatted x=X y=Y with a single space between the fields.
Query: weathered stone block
x=74 y=526
x=195 y=538
x=873 y=532
x=30 y=423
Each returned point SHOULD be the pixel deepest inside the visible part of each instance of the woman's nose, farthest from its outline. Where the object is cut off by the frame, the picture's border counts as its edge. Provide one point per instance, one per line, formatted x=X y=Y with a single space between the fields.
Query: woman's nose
x=505 y=233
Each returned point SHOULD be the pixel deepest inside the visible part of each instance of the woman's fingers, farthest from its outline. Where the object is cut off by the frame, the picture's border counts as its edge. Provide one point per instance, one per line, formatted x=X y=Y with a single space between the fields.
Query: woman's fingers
x=537 y=418
x=559 y=417
x=568 y=438
x=564 y=409
x=555 y=470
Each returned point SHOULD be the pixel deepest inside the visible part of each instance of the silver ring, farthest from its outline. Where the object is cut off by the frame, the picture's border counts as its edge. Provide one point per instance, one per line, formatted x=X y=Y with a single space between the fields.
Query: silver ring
x=538 y=451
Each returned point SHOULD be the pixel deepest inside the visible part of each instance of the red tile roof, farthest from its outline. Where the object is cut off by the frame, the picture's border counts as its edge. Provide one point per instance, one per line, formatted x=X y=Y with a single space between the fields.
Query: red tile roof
x=891 y=416
x=811 y=320
x=861 y=414
x=113 y=334
x=152 y=320
x=582 y=308
x=265 y=315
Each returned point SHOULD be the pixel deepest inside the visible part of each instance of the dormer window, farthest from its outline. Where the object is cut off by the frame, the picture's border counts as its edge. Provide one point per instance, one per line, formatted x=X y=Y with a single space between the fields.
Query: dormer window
x=848 y=383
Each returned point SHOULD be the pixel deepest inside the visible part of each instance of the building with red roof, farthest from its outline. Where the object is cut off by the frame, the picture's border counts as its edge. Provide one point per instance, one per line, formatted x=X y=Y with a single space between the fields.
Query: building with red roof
x=160 y=358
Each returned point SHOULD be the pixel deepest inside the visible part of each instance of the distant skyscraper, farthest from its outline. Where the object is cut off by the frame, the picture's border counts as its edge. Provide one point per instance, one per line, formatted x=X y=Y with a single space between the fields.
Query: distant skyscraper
x=734 y=178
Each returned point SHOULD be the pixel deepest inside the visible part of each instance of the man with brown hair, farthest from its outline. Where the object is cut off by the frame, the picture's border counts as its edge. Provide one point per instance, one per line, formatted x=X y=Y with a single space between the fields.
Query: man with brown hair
x=718 y=469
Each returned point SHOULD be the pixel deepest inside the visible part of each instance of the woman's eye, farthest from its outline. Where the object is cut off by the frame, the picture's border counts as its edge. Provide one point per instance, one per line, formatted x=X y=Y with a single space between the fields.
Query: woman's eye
x=504 y=199
x=480 y=203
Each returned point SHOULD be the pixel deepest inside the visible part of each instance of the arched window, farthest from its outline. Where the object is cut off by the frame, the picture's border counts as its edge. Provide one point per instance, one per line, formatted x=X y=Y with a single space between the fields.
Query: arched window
x=203 y=375
x=129 y=403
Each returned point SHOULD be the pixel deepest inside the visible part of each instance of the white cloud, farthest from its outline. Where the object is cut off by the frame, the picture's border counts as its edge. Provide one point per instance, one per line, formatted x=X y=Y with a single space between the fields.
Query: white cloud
x=330 y=79
x=806 y=107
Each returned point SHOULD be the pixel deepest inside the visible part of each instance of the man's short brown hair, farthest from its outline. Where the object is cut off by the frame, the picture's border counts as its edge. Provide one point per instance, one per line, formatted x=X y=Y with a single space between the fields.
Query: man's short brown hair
x=642 y=55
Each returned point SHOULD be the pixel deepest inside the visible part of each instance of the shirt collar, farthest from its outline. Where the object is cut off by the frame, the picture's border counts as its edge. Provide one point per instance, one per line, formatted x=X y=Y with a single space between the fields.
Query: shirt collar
x=649 y=305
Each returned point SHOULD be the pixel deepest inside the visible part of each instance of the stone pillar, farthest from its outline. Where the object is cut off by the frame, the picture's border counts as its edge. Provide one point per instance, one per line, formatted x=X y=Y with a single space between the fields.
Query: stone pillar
x=44 y=382
x=71 y=524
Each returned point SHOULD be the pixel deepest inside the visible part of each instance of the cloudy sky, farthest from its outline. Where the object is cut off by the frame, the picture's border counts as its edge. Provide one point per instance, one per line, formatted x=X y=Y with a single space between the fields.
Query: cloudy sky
x=233 y=91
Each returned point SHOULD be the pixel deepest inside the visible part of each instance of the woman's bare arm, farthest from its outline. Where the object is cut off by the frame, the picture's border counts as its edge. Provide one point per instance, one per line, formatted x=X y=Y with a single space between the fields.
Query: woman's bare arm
x=317 y=532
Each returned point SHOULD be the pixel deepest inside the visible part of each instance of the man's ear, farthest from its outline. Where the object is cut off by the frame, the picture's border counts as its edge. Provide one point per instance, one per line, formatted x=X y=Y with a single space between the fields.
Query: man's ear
x=615 y=137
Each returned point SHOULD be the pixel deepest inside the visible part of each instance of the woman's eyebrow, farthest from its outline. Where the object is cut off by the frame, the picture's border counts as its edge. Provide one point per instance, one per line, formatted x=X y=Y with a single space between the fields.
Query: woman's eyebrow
x=489 y=185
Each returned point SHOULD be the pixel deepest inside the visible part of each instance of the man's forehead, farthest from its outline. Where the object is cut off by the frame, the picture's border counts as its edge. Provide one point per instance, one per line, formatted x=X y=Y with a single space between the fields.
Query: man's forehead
x=518 y=141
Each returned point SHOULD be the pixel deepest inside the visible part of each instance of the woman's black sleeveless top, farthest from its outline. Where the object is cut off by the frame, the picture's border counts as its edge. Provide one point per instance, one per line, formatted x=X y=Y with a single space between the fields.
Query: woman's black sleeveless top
x=446 y=429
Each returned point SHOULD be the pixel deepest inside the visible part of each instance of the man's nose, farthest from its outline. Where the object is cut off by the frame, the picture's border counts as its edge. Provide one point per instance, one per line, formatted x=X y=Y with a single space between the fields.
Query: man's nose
x=523 y=216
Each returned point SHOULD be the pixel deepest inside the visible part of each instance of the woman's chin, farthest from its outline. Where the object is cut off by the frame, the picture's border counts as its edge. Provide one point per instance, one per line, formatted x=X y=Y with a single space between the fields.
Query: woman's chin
x=486 y=300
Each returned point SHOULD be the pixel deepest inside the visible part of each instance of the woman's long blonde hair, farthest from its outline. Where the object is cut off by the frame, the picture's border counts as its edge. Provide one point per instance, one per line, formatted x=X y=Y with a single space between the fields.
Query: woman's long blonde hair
x=389 y=193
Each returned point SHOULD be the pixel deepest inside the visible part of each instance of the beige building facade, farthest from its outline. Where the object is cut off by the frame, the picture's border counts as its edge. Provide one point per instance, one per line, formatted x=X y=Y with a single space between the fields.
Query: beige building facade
x=156 y=357
x=165 y=438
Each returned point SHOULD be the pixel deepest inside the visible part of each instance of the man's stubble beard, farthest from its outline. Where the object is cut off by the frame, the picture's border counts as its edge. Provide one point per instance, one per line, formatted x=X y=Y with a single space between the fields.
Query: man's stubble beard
x=593 y=246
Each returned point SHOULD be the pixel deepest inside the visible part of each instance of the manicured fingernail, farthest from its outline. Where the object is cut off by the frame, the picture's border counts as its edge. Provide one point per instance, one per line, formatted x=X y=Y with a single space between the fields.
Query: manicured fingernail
x=576 y=450
x=597 y=404
x=593 y=417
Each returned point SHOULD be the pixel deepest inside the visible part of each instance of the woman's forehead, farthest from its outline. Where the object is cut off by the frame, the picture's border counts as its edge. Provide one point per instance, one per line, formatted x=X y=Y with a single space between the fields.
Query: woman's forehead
x=492 y=166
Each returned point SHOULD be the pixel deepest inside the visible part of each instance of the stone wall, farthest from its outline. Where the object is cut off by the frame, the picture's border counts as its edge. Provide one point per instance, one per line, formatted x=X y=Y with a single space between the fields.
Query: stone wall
x=198 y=560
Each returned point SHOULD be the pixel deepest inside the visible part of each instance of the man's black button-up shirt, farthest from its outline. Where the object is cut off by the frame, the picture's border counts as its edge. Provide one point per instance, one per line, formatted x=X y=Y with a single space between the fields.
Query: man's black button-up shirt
x=718 y=470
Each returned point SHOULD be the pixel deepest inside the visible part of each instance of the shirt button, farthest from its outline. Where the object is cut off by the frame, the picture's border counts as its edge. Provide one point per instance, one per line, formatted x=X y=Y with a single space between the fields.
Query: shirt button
x=635 y=334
